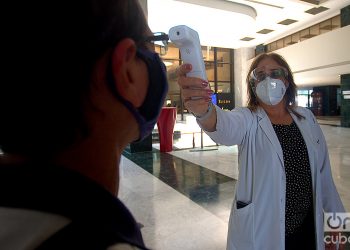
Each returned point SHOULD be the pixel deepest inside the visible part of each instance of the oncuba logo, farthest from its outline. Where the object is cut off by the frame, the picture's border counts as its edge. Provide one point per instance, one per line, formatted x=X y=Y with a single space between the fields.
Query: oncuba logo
x=337 y=222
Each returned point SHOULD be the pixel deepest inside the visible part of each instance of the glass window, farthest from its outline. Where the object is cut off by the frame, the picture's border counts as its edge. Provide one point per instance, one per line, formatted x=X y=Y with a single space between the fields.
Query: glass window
x=288 y=40
x=295 y=38
x=218 y=73
x=326 y=26
x=304 y=34
x=172 y=52
x=223 y=55
x=336 y=22
x=303 y=92
x=173 y=100
x=269 y=47
x=208 y=53
x=171 y=66
x=223 y=72
x=209 y=66
x=280 y=44
x=315 y=30
x=219 y=77
x=303 y=98
x=224 y=87
x=212 y=86
x=273 y=46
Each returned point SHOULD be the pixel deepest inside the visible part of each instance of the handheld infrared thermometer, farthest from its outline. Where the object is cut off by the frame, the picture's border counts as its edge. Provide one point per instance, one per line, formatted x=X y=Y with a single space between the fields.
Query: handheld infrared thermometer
x=187 y=40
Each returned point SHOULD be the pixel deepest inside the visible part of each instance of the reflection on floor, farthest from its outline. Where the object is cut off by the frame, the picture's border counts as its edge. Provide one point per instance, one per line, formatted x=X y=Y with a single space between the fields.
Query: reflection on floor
x=329 y=120
x=203 y=186
x=183 y=198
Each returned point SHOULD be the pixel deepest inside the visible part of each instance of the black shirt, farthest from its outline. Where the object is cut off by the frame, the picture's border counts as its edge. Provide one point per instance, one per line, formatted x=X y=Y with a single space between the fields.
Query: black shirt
x=98 y=219
x=299 y=215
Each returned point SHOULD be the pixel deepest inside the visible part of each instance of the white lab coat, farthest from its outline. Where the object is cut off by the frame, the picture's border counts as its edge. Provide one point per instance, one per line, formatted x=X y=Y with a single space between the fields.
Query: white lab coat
x=262 y=181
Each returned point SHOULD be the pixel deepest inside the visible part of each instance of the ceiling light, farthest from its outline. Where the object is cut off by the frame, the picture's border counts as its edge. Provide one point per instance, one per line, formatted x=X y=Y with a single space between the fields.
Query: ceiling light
x=314 y=11
x=287 y=21
x=264 y=31
x=167 y=63
x=224 y=5
x=219 y=23
x=316 y=2
x=246 y=39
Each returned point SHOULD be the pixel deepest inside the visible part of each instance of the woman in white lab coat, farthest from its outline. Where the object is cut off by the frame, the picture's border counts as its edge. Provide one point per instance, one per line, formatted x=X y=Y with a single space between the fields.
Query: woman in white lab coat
x=285 y=183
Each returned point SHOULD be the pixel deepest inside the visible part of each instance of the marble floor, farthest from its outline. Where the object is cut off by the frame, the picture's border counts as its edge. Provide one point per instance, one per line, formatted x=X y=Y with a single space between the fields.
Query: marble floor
x=183 y=198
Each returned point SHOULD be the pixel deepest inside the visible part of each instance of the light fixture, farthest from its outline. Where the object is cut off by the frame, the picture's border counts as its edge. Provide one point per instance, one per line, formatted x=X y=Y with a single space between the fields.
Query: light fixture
x=167 y=63
x=224 y=5
x=219 y=23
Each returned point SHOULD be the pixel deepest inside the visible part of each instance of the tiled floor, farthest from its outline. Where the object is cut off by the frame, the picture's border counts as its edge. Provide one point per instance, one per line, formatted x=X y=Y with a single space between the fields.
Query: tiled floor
x=183 y=198
x=171 y=219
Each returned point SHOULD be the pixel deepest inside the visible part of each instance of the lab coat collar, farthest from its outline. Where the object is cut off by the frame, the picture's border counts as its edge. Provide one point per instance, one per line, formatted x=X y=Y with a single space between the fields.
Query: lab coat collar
x=266 y=126
x=304 y=127
x=305 y=130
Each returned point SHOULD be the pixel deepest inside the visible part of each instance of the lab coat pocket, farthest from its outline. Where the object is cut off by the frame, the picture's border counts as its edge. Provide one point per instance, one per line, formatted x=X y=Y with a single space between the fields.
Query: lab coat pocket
x=241 y=227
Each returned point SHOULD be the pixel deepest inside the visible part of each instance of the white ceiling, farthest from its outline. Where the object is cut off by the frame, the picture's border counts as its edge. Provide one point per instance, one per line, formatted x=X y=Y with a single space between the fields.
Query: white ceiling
x=216 y=29
x=215 y=22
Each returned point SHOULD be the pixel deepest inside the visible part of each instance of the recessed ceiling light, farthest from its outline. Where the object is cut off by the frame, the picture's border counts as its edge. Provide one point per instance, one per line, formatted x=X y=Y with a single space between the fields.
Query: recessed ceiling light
x=287 y=21
x=314 y=11
x=264 y=31
x=246 y=39
x=317 y=2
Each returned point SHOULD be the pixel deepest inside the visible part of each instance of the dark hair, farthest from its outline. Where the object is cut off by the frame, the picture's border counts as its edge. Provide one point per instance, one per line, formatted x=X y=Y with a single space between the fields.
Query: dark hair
x=51 y=50
x=291 y=90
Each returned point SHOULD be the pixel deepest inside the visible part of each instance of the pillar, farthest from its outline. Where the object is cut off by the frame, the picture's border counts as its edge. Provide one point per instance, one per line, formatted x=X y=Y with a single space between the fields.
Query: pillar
x=345 y=100
x=241 y=67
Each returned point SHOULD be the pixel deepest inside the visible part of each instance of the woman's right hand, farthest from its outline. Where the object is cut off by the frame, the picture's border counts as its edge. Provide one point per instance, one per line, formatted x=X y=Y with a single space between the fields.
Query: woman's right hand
x=196 y=92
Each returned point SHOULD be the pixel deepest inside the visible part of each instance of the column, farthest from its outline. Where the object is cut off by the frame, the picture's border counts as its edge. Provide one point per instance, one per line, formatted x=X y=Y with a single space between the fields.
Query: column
x=241 y=66
x=345 y=100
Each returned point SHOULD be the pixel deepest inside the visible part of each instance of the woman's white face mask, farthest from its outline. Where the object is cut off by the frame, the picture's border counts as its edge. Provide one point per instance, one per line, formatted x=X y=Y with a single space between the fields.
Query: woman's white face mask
x=270 y=91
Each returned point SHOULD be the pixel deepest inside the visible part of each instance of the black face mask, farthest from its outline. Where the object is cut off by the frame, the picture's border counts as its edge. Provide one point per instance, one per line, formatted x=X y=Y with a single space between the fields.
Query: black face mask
x=146 y=115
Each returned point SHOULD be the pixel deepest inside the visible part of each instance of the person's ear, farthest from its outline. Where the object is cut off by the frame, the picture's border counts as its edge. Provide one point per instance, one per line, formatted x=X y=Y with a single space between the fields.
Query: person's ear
x=129 y=72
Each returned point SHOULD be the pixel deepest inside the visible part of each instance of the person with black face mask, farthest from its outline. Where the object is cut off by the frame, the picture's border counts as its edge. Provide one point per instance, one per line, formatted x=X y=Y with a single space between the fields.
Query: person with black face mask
x=83 y=82
x=285 y=182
